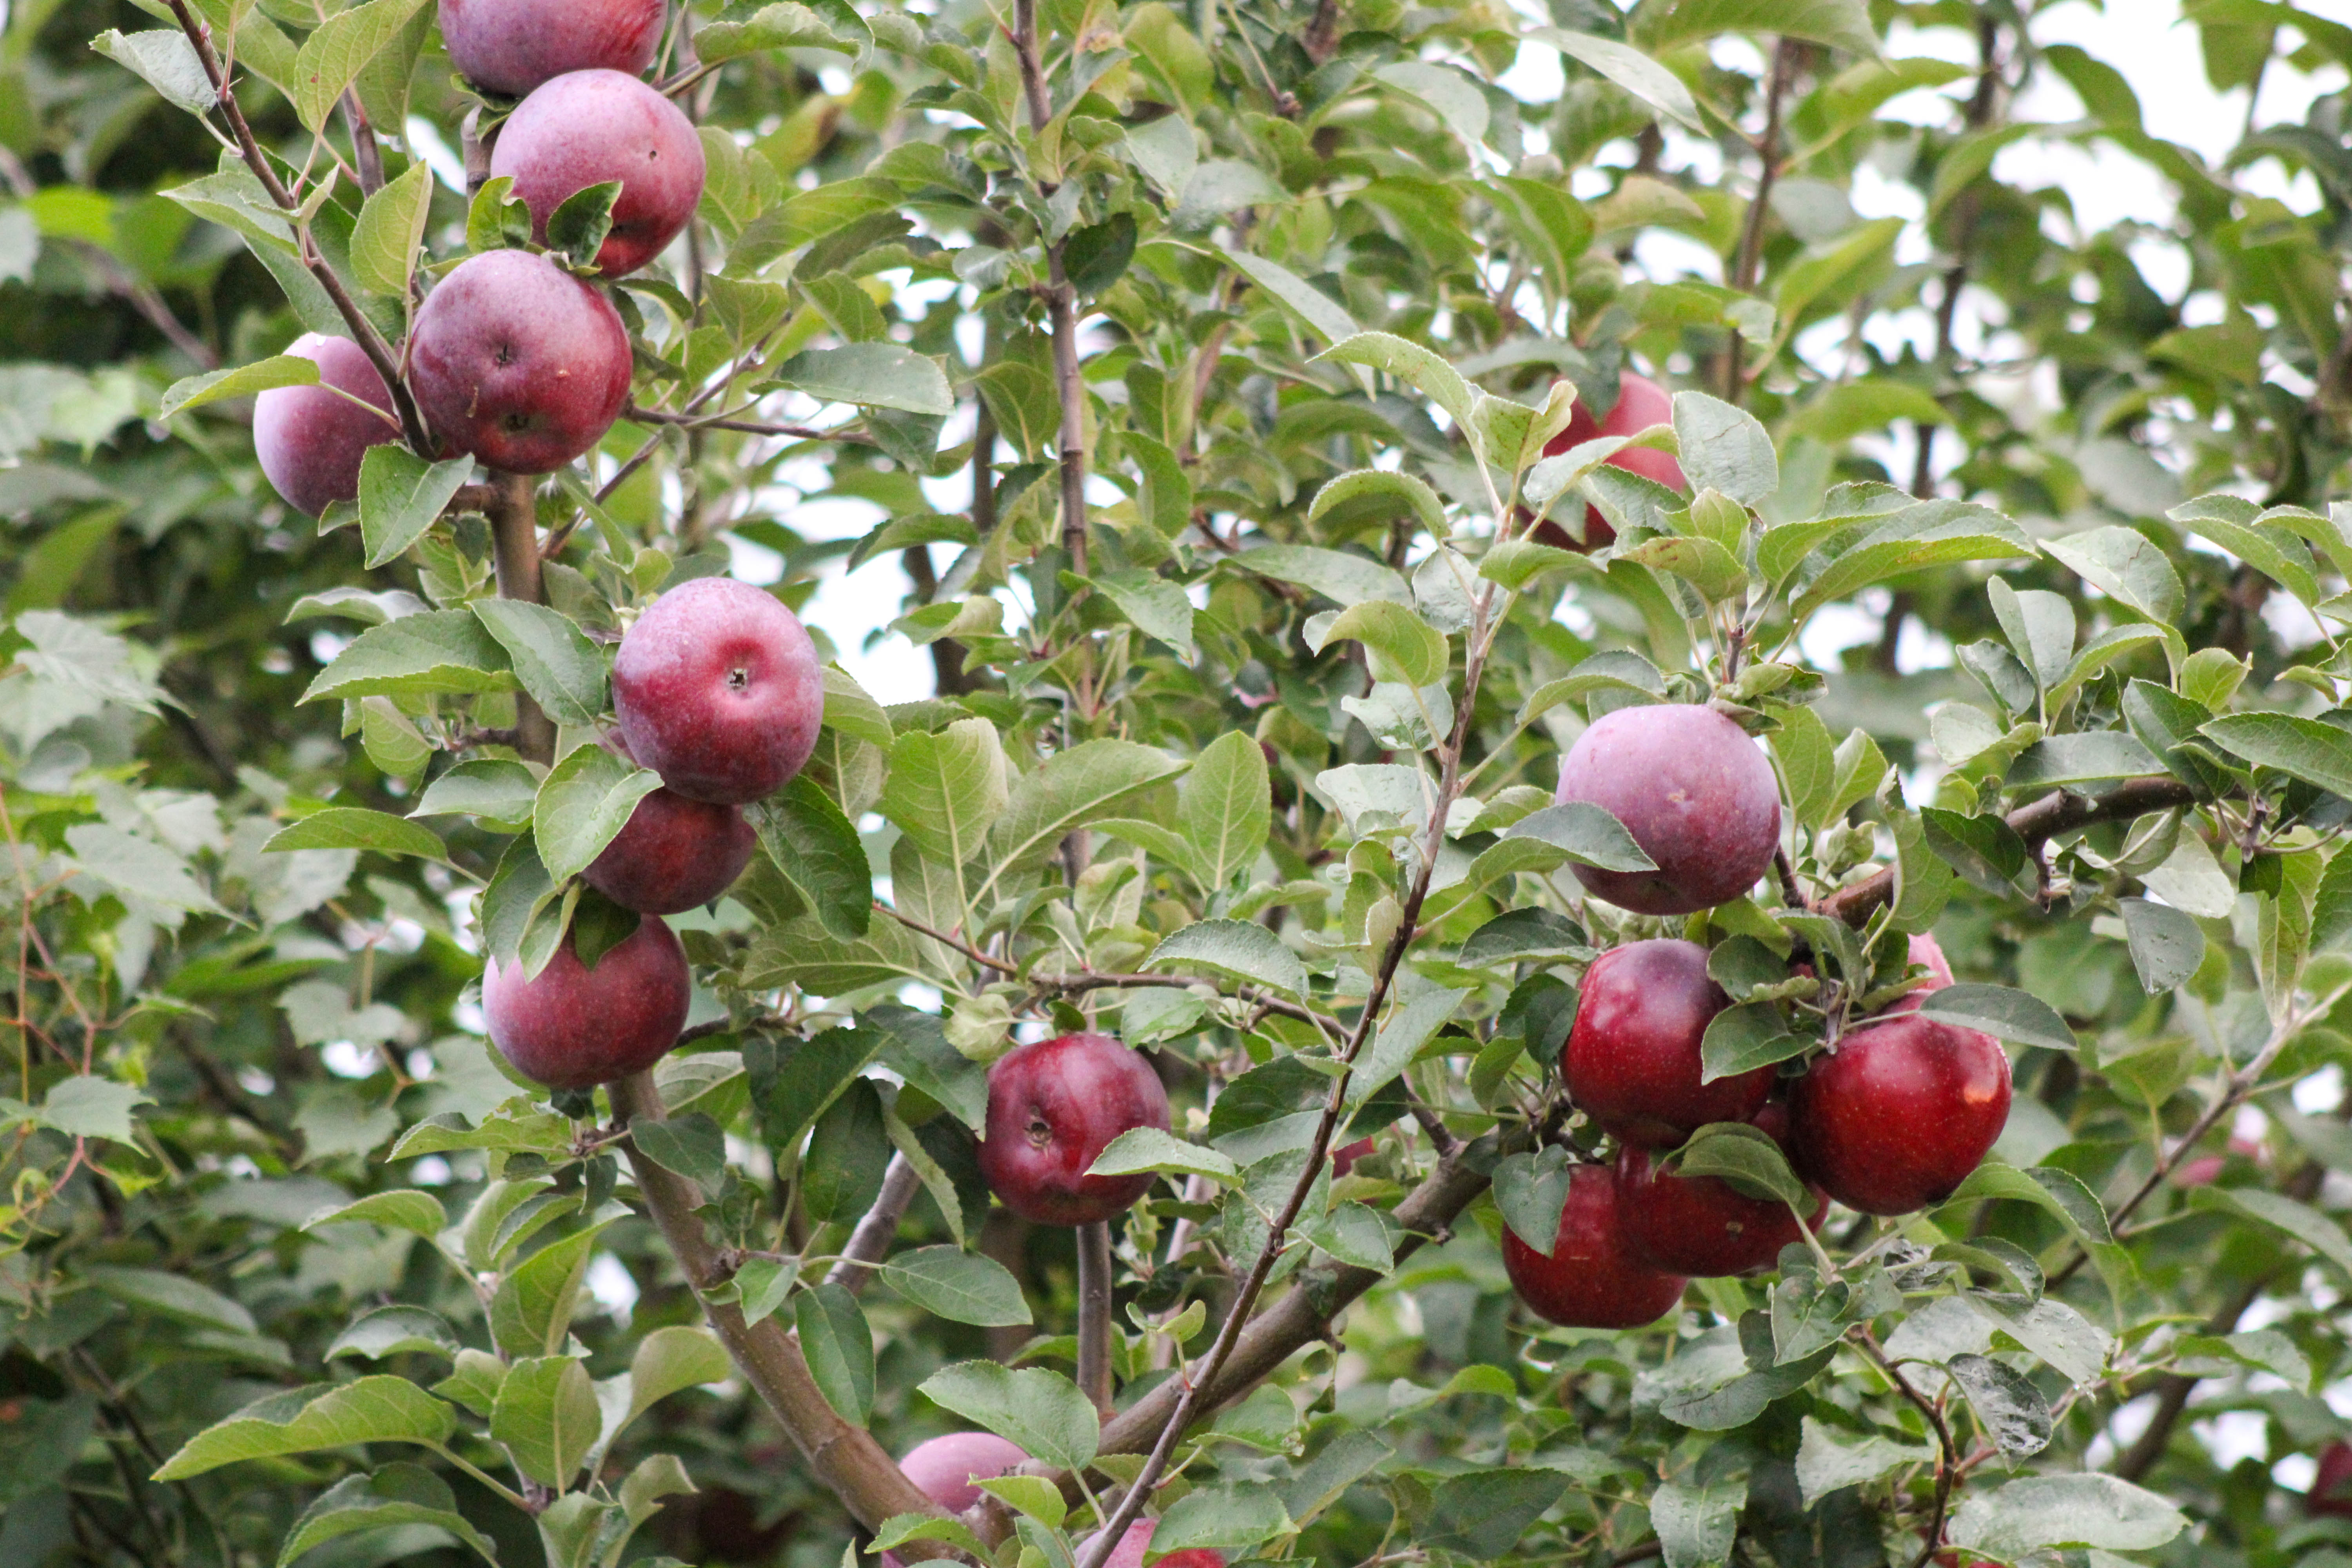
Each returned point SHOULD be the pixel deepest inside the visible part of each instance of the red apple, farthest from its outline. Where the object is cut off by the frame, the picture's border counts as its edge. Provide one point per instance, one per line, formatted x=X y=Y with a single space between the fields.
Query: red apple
x=1129 y=1552
x=1591 y=1281
x=518 y=362
x=512 y=45
x=1631 y=1061
x=1344 y=1160
x=2330 y=1496
x=309 y=440
x=719 y=691
x=590 y=126
x=674 y=853
x=1695 y=792
x=575 y=1027
x=1897 y=1115
x=1703 y=1224
x=1927 y=952
x=1641 y=403
x=1053 y=1108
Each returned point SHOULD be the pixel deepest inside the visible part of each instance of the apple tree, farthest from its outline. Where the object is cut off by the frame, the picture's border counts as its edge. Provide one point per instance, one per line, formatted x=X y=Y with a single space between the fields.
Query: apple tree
x=1589 y=860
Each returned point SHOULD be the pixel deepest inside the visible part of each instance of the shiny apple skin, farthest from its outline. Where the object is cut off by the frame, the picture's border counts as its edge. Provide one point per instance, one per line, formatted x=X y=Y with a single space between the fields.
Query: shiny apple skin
x=1591 y=1281
x=575 y=1027
x=309 y=440
x=587 y=127
x=718 y=690
x=511 y=46
x=1633 y=1057
x=1697 y=795
x=1699 y=1226
x=1053 y=1108
x=1896 y=1118
x=518 y=362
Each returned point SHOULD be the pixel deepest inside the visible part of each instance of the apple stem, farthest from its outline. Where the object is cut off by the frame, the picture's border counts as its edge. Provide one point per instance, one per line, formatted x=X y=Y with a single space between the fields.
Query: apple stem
x=1094 y=1265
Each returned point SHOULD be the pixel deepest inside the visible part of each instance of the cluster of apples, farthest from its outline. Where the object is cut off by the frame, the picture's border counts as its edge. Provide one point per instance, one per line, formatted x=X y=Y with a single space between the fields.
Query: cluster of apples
x=513 y=360
x=717 y=689
x=1891 y=1119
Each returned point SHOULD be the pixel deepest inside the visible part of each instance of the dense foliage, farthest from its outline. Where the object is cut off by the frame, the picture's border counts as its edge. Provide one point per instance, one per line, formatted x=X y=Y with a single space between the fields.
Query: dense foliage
x=1199 y=365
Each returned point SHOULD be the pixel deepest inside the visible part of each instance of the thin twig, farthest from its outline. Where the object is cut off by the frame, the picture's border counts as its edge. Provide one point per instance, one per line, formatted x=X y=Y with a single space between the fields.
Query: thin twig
x=870 y=1244
x=641 y=415
x=1946 y=1458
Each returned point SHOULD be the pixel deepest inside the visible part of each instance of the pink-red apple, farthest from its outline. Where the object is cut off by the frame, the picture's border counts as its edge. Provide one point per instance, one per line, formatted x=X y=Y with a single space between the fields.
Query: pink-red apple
x=1631 y=1061
x=1591 y=1281
x=588 y=127
x=574 y=1027
x=1053 y=1108
x=309 y=440
x=1641 y=403
x=511 y=45
x=517 y=363
x=1695 y=792
x=718 y=690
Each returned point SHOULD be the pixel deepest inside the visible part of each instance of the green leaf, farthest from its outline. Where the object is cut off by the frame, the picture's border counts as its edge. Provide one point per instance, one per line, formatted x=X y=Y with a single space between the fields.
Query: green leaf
x=1402 y=646
x=2036 y=1513
x=496 y=789
x=1398 y=1043
x=1413 y=494
x=901 y=1528
x=434 y=653
x=1224 y=804
x=1723 y=448
x=2306 y=1225
x=547 y=1418
x=839 y=1347
x=88 y=1106
x=1629 y=68
x=779 y=25
x=1697 y=1525
x=401 y=495
x=332 y=56
x=875 y=375
x=851 y=709
x=585 y=800
x=497 y=219
x=1322 y=314
x=691 y=1146
x=1237 y=1514
x=1035 y=1496
x=2167 y=946
x=1706 y=565
x=303 y=1420
x=1530 y=1191
x=2060 y=1193
x=577 y=227
x=2126 y=566
x=172 y=1296
x=1438 y=381
x=2306 y=749
x=1743 y=1155
x=355 y=827
x=1073 y=789
x=531 y=1311
x=1141 y=1149
x=553 y=658
x=1241 y=950
x=671 y=1359
x=1153 y=606
x=1587 y=834
x=2093 y=756
x=961 y=1287
x=402 y=1209
x=2001 y=1012
x=1830 y=1460
x=818 y=851
x=1041 y=1411
x=1841 y=24
x=389 y=230
x=946 y=790
x=916 y=1048
x=1481 y=1514
x=166 y=61
x=2006 y=1402
x=394 y=1496
x=238 y=381
x=395 y=1330
x=1345 y=579
x=1741 y=1039
x=1931 y=533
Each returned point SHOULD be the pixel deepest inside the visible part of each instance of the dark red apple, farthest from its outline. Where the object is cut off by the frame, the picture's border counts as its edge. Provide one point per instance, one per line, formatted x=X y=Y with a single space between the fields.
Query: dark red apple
x=1053 y=1108
x=309 y=440
x=1902 y=1111
x=719 y=691
x=575 y=1027
x=674 y=853
x=1641 y=403
x=1631 y=1061
x=1591 y=1281
x=1703 y=1224
x=518 y=362
x=512 y=45
x=1695 y=792
x=1344 y=1160
x=1927 y=952
x=2330 y=1496
x=1129 y=1552
x=588 y=127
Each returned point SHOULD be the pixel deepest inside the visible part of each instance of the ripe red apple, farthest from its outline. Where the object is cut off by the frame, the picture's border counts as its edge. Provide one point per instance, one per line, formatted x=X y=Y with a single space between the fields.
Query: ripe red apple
x=674 y=853
x=518 y=362
x=1641 y=403
x=512 y=45
x=1703 y=1224
x=719 y=691
x=1591 y=1281
x=1929 y=952
x=1631 y=1061
x=1053 y=1108
x=309 y=439
x=1695 y=792
x=1129 y=1552
x=1899 y=1113
x=575 y=1027
x=2330 y=1496
x=588 y=127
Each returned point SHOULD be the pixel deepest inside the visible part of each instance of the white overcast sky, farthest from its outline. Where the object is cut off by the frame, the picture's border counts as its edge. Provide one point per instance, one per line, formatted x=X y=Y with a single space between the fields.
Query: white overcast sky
x=2145 y=39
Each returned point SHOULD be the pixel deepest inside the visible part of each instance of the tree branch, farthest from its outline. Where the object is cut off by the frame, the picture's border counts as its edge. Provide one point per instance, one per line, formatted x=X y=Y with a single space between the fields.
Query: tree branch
x=363 y=332
x=870 y=1244
x=1095 y=1326
x=1061 y=308
x=513 y=512
x=1750 y=259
